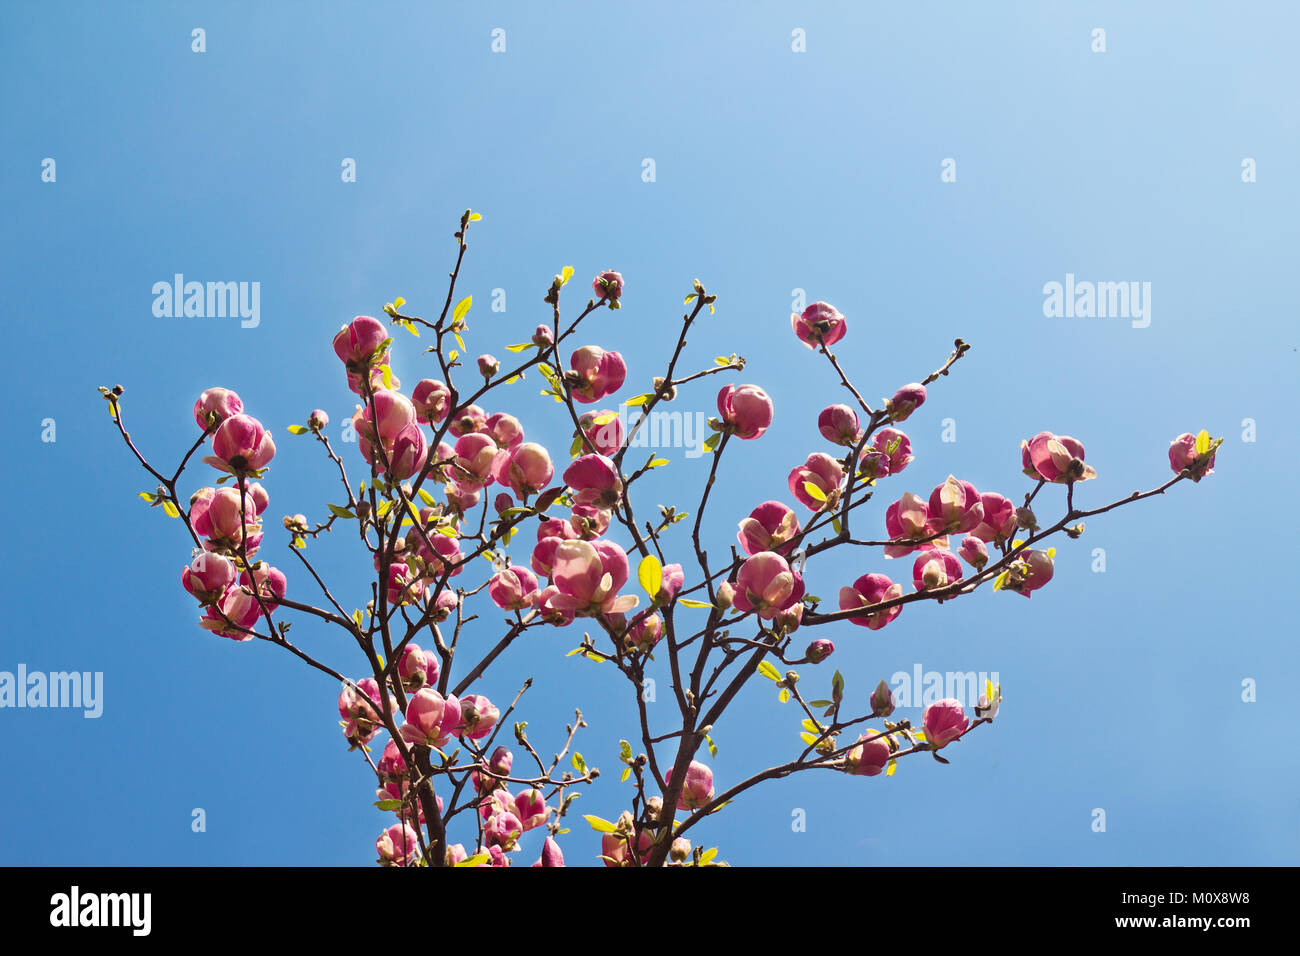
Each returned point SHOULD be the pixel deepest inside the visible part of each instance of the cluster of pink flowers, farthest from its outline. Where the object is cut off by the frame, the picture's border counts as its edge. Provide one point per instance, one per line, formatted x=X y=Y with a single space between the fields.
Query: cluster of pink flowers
x=234 y=590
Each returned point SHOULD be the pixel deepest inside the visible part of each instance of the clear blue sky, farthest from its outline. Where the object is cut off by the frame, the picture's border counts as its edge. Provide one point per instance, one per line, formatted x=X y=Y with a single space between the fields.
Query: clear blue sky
x=775 y=170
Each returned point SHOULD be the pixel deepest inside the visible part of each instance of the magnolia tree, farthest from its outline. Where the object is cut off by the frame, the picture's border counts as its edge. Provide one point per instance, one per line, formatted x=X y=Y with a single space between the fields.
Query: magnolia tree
x=446 y=483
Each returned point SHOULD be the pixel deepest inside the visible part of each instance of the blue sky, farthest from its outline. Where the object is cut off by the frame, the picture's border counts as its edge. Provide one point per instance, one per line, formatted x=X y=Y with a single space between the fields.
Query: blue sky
x=775 y=171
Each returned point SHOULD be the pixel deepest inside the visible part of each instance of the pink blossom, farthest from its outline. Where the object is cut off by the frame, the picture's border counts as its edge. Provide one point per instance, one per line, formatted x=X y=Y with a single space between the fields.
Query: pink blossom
x=644 y=634
x=431 y=399
x=505 y=430
x=935 y=569
x=896 y=445
x=1029 y=572
x=476 y=454
x=1183 y=455
x=503 y=830
x=954 y=506
x=608 y=285
x=820 y=324
x=772 y=526
x=868 y=756
x=528 y=469
x=424 y=713
x=999 y=521
x=697 y=790
x=361 y=342
x=594 y=373
x=215 y=405
x=241 y=445
x=747 y=409
x=589 y=576
x=1056 y=458
x=819 y=650
x=478 y=716
x=787 y=620
x=595 y=481
x=550 y=612
x=766 y=585
x=905 y=401
x=551 y=855
x=225 y=517
x=404 y=587
x=974 y=551
x=589 y=521
x=467 y=420
x=824 y=473
x=442 y=553
x=869 y=590
x=488 y=366
x=208 y=576
x=944 y=721
x=417 y=668
x=617 y=848
x=543 y=337
x=907 y=520
x=602 y=431
x=397 y=845
x=531 y=809
x=671 y=581
x=271 y=583
x=839 y=424
x=359 y=706
x=513 y=589
x=318 y=419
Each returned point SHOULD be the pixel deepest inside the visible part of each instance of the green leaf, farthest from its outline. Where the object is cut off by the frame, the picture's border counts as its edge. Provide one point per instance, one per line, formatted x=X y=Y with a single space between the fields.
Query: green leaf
x=784 y=696
x=767 y=670
x=808 y=738
x=713 y=748
x=462 y=309
x=837 y=687
x=170 y=509
x=298 y=429
x=627 y=772
x=711 y=442
x=707 y=856
x=427 y=498
x=478 y=859
x=339 y=511
x=520 y=347
x=688 y=602
x=599 y=825
x=1202 y=442
x=639 y=399
x=579 y=764
x=566 y=274
x=389 y=804
x=474 y=217
x=813 y=491
x=148 y=496
x=651 y=575
x=410 y=327
x=657 y=463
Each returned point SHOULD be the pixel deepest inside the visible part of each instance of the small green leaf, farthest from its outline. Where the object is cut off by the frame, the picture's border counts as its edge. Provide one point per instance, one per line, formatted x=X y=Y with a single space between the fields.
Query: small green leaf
x=651 y=575
x=566 y=274
x=1202 y=442
x=298 y=429
x=170 y=509
x=688 y=602
x=520 y=347
x=627 y=772
x=474 y=217
x=148 y=496
x=389 y=804
x=478 y=859
x=639 y=399
x=339 y=511
x=767 y=670
x=462 y=309
x=813 y=491
x=579 y=764
x=599 y=825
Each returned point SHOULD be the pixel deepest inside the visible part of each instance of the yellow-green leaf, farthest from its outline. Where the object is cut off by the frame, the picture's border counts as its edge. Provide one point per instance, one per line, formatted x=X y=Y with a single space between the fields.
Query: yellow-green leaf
x=687 y=602
x=170 y=509
x=808 y=738
x=520 y=347
x=462 y=309
x=399 y=302
x=566 y=274
x=297 y=429
x=651 y=574
x=474 y=217
x=599 y=825
x=813 y=491
x=1202 y=442
x=478 y=859
x=639 y=399
x=889 y=770
x=767 y=670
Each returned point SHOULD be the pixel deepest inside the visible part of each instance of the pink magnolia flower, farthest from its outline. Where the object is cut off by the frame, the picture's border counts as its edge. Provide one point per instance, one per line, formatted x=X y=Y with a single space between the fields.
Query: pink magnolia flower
x=588 y=576
x=502 y=829
x=1029 y=572
x=787 y=621
x=608 y=285
x=528 y=469
x=839 y=424
x=772 y=526
x=543 y=337
x=488 y=366
x=644 y=634
x=697 y=790
x=595 y=373
x=907 y=520
x=1055 y=458
x=391 y=417
x=935 y=569
x=589 y=521
x=452 y=719
x=671 y=582
x=905 y=401
x=241 y=445
x=467 y=420
x=442 y=552
x=595 y=481
x=1183 y=455
x=409 y=454
x=550 y=612
x=513 y=589
x=747 y=409
x=360 y=343
x=271 y=583
x=974 y=551
x=417 y=668
x=505 y=430
x=820 y=324
x=476 y=455
x=819 y=650
x=531 y=809
x=225 y=518
x=602 y=431
x=551 y=855
x=766 y=585
x=999 y=521
x=431 y=399
x=954 y=506
x=896 y=445
x=392 y=765
x=404 y=587
x=617 y=848
x=868 y=757
x=257 y=494
x=359 y=706
x=215 y=405
x=397 y=845
x=868 y=590
x=318 y=419
x=478 y=716
x=542 y=560
x=424 y=713
x=944 y=721
x=208 y=576
x=379 y=378
x=824 y=473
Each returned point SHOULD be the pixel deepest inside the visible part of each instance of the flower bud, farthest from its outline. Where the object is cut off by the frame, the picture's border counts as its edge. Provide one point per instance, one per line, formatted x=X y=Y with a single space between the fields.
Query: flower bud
x=819 y=650
x=882 y=700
